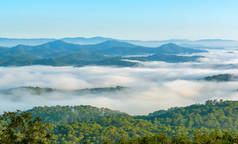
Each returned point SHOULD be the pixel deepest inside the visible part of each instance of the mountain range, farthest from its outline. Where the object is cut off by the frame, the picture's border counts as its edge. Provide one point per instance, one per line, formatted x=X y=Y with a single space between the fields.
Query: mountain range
x=60 y=53
x=203 y=43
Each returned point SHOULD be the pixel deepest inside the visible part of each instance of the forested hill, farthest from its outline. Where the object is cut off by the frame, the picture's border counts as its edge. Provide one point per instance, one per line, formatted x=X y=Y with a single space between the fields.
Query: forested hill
x=79 y=124
x=70 y=114
x=60 y=53
x=213 y=114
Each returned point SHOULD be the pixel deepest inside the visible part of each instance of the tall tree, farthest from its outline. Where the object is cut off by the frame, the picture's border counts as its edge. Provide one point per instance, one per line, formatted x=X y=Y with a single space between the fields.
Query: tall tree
x=21 y=128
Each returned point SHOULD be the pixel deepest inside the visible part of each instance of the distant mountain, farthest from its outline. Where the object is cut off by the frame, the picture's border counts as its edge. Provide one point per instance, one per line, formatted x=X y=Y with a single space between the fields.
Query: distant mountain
x=221 y=78
x=56 y=53
x=172 y=48
x=10 y=42
x=216 y=43
x=60 y=53
x=48 y=50
x=215 y=40
x=203 y=43
x=84 y=41
x=166 y=58
x=157 y=43
x=40 y=90
x=114 y=47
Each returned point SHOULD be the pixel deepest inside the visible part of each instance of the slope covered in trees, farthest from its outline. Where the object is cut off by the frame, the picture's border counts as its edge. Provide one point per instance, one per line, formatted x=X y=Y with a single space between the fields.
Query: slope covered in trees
x=214 y=137
x=60 y=53
x=211 y=115
x=213 y=121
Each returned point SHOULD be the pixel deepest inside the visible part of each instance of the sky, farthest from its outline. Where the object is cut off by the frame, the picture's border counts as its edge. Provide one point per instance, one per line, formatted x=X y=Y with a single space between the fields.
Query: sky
x=122 y=19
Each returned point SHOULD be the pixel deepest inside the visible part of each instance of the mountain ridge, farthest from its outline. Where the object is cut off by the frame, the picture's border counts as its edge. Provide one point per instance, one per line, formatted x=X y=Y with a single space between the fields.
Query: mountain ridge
x=208 y=43
x=60 y=53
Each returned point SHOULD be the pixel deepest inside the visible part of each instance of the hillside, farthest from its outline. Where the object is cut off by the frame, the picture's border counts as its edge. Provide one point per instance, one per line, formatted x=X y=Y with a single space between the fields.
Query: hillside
x=212 y=115
x=79 y=124
x=60 y=53
x=70 y=114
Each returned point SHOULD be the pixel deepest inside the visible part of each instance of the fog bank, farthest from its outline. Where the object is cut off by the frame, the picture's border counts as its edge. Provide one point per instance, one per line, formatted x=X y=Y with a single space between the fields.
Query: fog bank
x=151 y=86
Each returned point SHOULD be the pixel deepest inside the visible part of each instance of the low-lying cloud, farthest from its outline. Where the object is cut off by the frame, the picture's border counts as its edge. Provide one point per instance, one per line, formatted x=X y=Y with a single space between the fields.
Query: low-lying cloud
x=152 y=86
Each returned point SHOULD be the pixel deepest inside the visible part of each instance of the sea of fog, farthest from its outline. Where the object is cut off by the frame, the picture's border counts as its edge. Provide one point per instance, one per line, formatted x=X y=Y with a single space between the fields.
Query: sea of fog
x=151 y=85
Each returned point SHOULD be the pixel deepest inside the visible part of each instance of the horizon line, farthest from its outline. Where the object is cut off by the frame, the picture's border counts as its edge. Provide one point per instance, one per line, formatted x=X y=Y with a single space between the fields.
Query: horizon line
x=88 y=37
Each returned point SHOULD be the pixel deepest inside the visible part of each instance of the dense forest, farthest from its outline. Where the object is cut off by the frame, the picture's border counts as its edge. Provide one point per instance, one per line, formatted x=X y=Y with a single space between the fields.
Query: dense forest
x=213 y=122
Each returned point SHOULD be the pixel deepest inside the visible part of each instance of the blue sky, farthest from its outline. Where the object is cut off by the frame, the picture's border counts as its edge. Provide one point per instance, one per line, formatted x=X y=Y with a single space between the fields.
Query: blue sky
x=123 y=19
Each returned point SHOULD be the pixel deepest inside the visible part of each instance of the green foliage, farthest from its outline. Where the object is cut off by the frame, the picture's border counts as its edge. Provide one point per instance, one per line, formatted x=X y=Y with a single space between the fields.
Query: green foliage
x=71 y=114
x=195 y=124
x=214 y=137
x=212 y=115
x=20 y=128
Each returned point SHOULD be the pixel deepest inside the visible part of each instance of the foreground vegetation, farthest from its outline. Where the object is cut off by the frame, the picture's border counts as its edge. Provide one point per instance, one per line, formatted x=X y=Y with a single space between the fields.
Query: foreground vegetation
x=213 y=122
x=214 y=137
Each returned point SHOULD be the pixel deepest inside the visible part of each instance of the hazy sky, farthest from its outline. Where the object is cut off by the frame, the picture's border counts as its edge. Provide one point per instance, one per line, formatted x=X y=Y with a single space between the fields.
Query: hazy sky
x=124 y=19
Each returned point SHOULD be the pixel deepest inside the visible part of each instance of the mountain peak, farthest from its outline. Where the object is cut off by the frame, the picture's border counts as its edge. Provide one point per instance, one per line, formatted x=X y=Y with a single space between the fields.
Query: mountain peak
x=169 y=45
x=57 y=42
x=116 y=43
x=215 y=40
